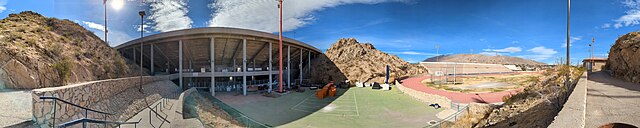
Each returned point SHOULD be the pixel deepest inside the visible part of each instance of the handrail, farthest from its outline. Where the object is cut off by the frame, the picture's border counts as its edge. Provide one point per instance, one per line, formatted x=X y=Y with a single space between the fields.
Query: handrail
x=439 y=123
x=67 y=102
x=87 y=120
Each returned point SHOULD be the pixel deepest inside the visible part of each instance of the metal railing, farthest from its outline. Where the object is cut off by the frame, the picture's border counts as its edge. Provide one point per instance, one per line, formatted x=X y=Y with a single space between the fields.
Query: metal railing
x=453 y=116
x=86 y=118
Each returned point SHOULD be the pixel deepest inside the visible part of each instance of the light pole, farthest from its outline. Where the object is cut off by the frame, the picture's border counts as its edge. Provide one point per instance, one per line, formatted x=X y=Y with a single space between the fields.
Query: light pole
x=280 y=49
x=592 y=50
x=141 y=13
x=105 y=21
x=437 y=55
x=568 y=30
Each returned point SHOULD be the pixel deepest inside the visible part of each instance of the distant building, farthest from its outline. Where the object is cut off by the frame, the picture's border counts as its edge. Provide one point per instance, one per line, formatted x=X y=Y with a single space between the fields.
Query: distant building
x=594 y=64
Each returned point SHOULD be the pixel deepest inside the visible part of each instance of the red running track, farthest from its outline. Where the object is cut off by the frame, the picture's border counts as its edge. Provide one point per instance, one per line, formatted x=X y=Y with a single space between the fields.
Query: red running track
x=458 y=97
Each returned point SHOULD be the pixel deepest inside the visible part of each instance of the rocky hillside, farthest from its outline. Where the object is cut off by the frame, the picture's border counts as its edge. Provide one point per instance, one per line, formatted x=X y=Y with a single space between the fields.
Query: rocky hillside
x=479 y=58
x=624 y=61
x=361 y=62
x=37 y=51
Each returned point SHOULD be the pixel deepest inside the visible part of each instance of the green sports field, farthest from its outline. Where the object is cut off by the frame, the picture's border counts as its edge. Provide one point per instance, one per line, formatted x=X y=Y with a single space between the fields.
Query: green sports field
x=354 y=107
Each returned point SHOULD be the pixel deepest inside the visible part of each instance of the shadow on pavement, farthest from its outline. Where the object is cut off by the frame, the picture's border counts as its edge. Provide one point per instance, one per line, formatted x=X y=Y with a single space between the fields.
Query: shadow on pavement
x=605 y=78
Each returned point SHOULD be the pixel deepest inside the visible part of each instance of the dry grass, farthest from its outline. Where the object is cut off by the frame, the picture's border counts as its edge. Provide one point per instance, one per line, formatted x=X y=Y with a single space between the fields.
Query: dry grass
x=212 y=116
x=516 y=81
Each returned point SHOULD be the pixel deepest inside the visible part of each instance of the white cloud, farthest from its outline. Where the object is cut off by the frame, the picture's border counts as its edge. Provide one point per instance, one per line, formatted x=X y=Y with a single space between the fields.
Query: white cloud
x=2 y=5
x=146 y=27
x=169 y=15
x=504 y=50
x=262 y=15
x=631 y=18
x=93 y=25
x=572 y=40
x=540 y=53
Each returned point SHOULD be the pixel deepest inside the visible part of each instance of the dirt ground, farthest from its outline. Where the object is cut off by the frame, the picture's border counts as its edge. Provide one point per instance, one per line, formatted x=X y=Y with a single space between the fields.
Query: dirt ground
x=484 y=83
x=211 y=115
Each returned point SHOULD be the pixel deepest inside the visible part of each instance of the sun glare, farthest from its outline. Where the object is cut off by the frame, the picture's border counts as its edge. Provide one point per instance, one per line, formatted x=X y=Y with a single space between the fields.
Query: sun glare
x=117 y=4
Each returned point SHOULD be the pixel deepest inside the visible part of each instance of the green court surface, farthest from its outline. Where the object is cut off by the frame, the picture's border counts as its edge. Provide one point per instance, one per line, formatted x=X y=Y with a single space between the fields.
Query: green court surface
x=354 y=107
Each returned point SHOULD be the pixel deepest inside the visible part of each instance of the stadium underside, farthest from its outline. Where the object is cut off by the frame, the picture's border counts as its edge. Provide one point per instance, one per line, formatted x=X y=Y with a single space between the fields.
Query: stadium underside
x=243 y=60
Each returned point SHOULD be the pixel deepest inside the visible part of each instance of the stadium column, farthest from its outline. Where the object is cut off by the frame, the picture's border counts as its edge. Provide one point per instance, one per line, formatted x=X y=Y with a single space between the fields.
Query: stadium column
x=270 y=68
x=212 y=61
x=152 y=69
x=244 y=67
x=180 y=63
x=300 y=66
x=309 y=64
x=289 y=67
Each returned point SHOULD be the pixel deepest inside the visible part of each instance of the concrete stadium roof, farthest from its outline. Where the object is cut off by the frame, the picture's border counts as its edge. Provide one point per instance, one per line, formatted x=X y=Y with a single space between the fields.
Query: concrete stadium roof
x=217 y=32
x=227 y=50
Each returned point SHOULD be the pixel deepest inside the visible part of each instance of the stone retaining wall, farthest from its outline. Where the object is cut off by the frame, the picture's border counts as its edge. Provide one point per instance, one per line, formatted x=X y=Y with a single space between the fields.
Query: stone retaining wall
x=82 y=94
x=425 y=97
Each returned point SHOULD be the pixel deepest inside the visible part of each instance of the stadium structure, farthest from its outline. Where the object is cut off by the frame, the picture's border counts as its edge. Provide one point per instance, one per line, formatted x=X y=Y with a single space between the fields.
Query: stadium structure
x=222 y=59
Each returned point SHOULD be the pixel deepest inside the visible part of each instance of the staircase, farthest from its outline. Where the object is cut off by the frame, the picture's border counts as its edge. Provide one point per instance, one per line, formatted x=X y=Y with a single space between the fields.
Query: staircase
x=169 y=114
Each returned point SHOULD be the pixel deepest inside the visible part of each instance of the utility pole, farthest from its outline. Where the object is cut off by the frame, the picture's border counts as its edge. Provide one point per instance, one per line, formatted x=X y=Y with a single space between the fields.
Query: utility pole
x=592 y=50
x=280 y=51
x=105 y=21
x=437 y=54
x=568 y=30
x=141 y=13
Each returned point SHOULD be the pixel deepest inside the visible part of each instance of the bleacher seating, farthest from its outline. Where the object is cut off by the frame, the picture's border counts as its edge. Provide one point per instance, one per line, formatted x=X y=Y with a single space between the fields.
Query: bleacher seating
x=449 y=68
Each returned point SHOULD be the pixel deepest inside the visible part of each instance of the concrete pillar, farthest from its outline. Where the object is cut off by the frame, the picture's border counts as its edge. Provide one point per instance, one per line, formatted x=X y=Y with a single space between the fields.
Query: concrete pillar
x=244 y=67
x=180 y=63
x=152 y=66
x=270 y=68
x=300 y=66
x=289 y=66
x=134 y=55
x=212 y=57
x=309 y=64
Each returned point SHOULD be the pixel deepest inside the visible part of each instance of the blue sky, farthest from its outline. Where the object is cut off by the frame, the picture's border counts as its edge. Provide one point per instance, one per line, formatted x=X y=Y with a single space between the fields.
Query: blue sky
x=408 y=28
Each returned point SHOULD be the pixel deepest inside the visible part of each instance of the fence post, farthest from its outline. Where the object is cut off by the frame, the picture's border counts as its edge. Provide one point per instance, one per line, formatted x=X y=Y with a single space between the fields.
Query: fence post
x=54 y=112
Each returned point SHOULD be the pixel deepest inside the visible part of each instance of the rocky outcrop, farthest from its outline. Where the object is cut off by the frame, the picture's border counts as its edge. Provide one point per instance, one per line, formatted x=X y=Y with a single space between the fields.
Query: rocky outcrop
x=479 y=58
x=624 y=61
x=37 y=52
x=354 y=61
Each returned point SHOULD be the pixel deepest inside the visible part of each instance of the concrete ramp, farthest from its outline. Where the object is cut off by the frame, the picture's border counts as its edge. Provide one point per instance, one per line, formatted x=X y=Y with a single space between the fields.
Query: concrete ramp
x=168 y=108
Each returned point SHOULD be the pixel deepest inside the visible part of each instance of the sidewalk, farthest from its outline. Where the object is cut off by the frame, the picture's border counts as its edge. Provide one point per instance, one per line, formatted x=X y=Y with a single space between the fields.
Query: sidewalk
x=169 y=108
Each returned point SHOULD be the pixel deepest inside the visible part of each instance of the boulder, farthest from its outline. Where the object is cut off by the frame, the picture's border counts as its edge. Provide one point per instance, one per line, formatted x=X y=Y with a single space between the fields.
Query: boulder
x=623 y=61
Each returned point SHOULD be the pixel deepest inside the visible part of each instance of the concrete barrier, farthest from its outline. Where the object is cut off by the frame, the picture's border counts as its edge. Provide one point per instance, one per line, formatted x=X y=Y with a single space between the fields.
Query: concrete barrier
x=573 y=113
x=82 y=94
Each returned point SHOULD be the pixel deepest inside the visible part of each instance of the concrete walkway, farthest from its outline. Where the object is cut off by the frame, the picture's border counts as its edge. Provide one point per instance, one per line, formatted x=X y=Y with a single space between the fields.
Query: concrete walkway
x=610 y=100
x=169 y=108
x=15 y=107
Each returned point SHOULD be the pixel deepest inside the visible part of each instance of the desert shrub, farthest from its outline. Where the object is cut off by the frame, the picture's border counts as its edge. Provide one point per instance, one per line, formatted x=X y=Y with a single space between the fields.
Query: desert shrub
x=120 y=66
x=510 y=99
x=63 y=69
x=31 y=42
x=54 y=50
